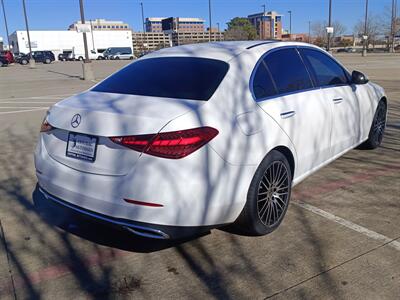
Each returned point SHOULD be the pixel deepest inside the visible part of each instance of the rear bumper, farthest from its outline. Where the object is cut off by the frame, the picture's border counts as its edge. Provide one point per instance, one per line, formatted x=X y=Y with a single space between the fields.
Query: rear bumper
x=152 y=231
x=190 y=192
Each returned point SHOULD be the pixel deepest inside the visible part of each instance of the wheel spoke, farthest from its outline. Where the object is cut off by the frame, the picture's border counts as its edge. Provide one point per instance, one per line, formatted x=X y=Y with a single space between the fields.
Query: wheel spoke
x=282 y=180
x=265 y=206
x=267 y=209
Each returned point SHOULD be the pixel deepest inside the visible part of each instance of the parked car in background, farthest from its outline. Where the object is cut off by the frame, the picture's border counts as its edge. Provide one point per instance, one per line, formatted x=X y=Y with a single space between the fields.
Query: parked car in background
x=3 y=61
x=18 y=55
x=8 y=56
x=65 y=56
x=205 y=135
x=347 y=50
x=119 y=53
x=127 y=54
x=93 y=55
x=45 y=57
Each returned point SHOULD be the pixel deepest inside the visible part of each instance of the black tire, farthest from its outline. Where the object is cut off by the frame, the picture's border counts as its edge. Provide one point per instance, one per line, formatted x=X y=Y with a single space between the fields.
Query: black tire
x=131 y=57
x=80 y=58
x=268 y=196
x=1 y=64
x=117 y=58
x=377 y=129
x=47 y=61
x=24 y=62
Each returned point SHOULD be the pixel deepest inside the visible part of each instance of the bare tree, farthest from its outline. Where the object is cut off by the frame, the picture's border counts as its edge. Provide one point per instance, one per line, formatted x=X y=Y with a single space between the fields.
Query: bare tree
x=373 y=29
x=389 y=24
x=320 y=36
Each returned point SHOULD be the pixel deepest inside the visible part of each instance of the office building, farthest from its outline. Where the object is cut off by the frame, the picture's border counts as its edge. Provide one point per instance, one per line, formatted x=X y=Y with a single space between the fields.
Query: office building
x=268 y=25
x=150 y=41
x=180 y=24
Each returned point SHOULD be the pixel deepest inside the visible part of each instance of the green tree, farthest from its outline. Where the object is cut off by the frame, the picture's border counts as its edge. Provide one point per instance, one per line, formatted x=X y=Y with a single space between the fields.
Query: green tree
x=240 y=29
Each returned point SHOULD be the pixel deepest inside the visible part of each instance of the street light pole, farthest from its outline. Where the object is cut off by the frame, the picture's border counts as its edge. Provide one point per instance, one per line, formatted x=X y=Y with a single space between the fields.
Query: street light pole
x=290 y=22
x=5 y=22
x=143 y=26
x=365 y=38
x=309 y=32
x=31 y=60
x=209 y=16
x=219 y=33
x=84 y=33
x=86 y=66
x=91 y=30
x=328 y=48
x=393 y=26
x=262 y=24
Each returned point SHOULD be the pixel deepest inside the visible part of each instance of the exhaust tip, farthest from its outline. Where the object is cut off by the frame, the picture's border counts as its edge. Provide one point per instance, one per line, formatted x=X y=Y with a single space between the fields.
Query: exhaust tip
x=148 y=232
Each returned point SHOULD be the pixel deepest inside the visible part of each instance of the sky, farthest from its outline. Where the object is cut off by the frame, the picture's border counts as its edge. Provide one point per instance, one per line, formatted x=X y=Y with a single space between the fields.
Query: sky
x=59 y=14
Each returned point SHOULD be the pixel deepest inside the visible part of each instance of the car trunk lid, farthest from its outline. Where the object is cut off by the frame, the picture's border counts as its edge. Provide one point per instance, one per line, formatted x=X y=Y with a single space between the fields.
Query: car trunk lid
x=93 y=117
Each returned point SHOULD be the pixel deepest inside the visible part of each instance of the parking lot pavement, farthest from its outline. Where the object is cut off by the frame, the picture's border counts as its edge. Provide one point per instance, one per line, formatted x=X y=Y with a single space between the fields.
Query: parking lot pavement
x=339 y=240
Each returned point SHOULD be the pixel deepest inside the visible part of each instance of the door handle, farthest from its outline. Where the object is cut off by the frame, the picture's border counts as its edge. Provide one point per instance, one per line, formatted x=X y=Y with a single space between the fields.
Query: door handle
x=288 y=114
x=337 y=100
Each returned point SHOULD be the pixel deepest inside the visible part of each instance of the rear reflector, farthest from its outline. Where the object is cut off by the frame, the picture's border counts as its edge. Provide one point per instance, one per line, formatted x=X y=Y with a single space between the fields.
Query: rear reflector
x=143 y=203
x=174 y=144
x=46 y=126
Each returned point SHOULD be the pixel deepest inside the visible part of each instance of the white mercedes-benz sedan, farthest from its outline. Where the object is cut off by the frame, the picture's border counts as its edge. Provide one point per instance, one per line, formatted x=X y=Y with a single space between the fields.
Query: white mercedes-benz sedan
x=199 y=136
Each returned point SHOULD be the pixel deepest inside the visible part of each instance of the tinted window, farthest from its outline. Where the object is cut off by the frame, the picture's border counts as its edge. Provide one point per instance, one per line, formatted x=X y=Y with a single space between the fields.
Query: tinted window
x=288 y=71
x=170 y=77
x=262 y=83
x=325 y=70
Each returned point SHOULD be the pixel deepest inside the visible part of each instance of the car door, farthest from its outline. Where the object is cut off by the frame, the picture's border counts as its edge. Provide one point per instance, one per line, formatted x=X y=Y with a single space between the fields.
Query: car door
x=38 y=56
x=283 y=88
x=340 y=94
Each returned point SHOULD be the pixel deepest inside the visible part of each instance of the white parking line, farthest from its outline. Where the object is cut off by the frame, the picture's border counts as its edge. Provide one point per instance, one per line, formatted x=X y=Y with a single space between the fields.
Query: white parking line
x=38 y=97
x=21 y=107
x=372 y=234
x=26 y=102
x=22 y=111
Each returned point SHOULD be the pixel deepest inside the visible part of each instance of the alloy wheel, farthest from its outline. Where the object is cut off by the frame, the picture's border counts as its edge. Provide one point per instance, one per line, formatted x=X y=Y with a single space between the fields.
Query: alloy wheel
x=379 y=122
x=273 y=194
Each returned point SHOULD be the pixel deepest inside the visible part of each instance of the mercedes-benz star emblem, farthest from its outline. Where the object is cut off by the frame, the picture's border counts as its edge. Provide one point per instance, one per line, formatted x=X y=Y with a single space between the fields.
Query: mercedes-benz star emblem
x=76 y=120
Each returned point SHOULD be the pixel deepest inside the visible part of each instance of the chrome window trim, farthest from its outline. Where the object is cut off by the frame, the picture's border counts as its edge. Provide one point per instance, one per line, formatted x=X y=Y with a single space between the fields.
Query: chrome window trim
x=346 y=72
x=296 y=47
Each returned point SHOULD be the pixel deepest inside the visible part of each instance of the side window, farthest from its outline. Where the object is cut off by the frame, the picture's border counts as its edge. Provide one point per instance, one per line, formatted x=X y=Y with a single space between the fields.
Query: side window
x=288 y=71
x=325 y=70
x=262 y=83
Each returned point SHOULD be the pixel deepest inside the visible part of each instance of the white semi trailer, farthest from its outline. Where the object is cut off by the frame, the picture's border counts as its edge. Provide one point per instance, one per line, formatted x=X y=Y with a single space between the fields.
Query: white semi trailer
x=71 y=41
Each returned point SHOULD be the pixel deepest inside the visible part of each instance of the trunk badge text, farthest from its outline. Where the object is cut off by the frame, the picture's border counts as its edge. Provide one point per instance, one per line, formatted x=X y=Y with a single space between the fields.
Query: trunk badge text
x=76 y=120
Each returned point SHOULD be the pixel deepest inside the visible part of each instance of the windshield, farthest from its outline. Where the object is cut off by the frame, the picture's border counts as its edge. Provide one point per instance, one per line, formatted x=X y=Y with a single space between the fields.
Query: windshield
x=171 y=77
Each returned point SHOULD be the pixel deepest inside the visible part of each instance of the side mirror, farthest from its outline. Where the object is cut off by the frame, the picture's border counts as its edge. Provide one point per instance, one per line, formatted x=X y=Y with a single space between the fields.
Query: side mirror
x=358 y=78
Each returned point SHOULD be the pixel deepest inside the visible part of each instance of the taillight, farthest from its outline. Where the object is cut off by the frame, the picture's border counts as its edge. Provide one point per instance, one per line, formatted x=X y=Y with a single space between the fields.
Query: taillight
x=46 y=127
x=173 y=144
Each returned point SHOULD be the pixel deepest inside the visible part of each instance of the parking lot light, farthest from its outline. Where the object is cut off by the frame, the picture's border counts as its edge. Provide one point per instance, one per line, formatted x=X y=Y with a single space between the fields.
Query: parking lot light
x=31 y=60
x=86 y=66
x=6 y=25
x=365 y=36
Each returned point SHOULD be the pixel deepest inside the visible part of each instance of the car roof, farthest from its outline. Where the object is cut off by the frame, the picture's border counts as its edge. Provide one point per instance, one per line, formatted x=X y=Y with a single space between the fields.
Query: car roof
x=224 y=51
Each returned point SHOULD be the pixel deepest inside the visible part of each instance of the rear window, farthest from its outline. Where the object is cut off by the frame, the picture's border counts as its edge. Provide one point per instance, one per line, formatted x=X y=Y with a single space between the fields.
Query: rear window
x=170 y=77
